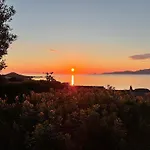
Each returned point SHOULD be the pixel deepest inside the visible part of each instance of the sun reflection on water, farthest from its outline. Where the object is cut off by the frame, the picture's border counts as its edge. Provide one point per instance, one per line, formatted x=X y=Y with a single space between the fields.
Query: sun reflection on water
x=72 y=80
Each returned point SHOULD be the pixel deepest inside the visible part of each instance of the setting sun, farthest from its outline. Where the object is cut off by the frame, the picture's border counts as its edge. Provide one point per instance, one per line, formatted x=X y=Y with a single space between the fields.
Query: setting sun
x=72 y=69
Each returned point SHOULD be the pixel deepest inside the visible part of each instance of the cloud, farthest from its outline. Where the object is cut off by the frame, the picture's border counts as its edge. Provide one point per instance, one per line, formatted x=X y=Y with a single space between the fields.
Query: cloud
x=140 y=57
x=53 y=50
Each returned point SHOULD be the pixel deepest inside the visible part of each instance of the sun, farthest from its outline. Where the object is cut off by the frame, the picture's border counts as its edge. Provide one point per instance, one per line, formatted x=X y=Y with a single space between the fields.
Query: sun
x=72 y=69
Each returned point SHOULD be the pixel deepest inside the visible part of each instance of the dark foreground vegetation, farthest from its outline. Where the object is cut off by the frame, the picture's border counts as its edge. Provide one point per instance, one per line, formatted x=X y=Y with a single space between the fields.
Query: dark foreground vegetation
x=76 y=119
x=9 y=90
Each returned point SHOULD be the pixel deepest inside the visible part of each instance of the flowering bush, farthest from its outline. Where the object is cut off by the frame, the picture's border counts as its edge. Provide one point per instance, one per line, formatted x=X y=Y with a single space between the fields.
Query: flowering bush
x=76 y=119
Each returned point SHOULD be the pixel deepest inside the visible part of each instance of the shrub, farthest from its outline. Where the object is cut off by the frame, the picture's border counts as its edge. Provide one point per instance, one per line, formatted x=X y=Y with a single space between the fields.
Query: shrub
x=76 y=119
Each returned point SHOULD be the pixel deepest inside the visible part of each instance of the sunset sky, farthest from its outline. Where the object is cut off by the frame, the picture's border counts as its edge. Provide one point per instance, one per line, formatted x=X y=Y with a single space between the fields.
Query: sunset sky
x=93 y=36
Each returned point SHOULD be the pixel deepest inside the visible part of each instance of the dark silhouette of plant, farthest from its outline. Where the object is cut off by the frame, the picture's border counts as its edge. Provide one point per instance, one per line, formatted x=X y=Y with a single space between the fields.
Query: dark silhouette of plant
x=76 y=119
x=6 y=37
x=49 y=76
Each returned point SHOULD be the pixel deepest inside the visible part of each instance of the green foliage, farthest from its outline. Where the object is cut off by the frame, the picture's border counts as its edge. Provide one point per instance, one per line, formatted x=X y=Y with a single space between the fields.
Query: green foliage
x=6 y=37
x=76 y=119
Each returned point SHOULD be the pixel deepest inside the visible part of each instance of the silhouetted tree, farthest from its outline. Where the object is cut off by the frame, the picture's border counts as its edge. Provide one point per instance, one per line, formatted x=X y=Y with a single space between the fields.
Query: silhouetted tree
x=6 y=37
x=49 y=76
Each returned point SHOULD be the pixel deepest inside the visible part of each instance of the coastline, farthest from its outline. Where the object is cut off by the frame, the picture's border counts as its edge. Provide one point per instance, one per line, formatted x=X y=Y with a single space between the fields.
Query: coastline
x=119 y=81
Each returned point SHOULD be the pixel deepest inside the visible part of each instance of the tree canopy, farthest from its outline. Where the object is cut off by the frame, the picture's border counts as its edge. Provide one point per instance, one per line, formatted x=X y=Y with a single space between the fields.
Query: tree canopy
x=6 y=35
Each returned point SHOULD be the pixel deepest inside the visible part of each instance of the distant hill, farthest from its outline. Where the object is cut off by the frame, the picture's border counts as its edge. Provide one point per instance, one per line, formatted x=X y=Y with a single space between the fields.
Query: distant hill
x=144 y=71
x=14 y=75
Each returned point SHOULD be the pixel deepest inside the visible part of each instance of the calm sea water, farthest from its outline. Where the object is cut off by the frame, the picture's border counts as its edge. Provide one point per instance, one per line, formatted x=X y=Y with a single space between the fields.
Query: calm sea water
x=117 y=81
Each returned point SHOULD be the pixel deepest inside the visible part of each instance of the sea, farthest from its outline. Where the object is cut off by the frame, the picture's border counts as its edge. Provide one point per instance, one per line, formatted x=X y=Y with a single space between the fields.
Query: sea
x=119 y=82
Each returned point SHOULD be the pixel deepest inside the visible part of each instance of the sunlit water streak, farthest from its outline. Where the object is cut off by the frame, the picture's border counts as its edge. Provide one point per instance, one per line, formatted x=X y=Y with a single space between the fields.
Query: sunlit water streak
x=117 y=81
x=72 y=80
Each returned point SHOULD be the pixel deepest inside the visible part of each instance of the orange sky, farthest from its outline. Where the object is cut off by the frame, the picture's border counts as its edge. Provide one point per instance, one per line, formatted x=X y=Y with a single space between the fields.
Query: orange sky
x=60 y=58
